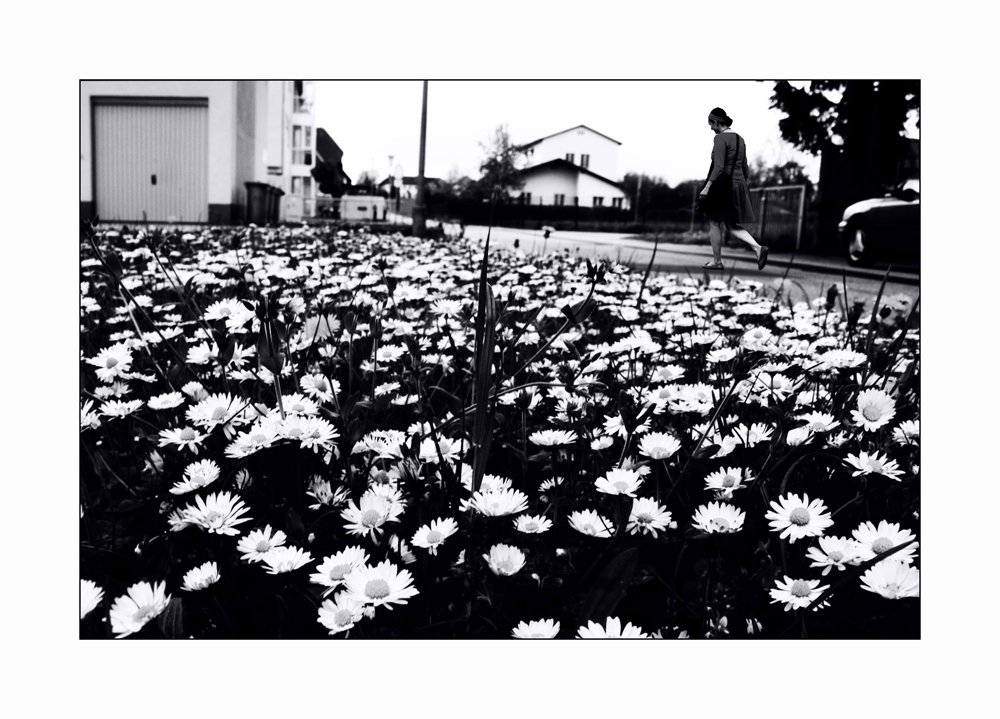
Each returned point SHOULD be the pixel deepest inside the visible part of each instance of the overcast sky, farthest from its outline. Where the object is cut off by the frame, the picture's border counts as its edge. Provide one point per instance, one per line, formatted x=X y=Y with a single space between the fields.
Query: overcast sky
x=662 y=125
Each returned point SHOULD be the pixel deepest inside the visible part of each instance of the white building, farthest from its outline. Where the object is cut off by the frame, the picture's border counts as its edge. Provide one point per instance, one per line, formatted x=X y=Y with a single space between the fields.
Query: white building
x=182 y=150
x=573 y=167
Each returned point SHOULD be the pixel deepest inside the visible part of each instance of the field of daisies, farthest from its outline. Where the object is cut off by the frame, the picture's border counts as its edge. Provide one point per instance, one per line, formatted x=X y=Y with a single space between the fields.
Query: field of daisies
x=302 y=433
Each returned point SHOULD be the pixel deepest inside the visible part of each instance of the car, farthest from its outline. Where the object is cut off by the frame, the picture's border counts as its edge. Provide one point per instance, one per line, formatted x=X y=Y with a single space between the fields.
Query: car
x=885 y=227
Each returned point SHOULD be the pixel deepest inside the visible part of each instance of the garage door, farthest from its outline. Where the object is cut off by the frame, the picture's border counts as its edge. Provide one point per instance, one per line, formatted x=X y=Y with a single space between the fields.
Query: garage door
x=151 y=155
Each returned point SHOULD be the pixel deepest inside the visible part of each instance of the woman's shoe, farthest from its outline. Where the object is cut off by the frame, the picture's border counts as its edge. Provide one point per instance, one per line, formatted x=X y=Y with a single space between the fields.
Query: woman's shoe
x=762 y=258
x=714 y=265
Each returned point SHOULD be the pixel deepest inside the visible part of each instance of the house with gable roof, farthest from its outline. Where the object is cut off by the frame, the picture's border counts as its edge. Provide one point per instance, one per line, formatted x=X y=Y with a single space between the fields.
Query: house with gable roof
x=572 y=167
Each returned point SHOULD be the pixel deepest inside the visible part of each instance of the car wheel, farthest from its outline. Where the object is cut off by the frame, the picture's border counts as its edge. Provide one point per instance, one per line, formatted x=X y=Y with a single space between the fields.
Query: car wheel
x=859 y=251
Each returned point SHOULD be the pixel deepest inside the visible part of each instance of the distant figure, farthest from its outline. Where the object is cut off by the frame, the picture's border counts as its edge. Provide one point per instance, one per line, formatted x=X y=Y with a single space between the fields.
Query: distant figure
x=725 y=200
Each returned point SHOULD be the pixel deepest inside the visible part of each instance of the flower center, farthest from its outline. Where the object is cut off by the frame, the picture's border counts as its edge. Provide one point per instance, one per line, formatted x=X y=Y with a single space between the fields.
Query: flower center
x=800 y=588
x=297 y=407
x=719 y=524
x=434 y=537
x=893 y=589
x=799 y=516
x=262 y=546
x=505 y=566
x=295 y=432
x=531 y=526
x=643 y=518
x=213 y=518
x=871 y=413
x=258 y=439
x=218 y=413
x=620 y=485
x=342 y=617
x=225 y=311
x=339 y=572
x=187 y=435
x=371 y=518
x=538 y=635
x=377 y=589
x=836 y=556
x=320 y=385
x=589 y=529
x=495 y=506
x=817 y=427
x=729 y=481
x=142 y=616
x=110 y=362
x=881 y=545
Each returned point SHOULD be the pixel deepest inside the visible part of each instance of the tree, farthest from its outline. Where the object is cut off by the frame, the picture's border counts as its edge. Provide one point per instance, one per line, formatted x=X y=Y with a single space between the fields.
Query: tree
x=366 y=183
x=330 y=178
x=863 y=118
x=787 y=173
x=500 y=170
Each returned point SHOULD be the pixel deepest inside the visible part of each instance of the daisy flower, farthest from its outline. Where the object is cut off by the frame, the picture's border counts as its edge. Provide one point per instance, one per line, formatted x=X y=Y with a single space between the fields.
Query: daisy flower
x=383 y=584
x=797 y=593
x=892 y=579
x=875 y=409
x=261 y=436
x=532 y=524
x=143 y=602
x=195 y=391
x=88 y=417
x=538 y=629
x=370 y=514
x=112 y=362
x=213 y=411
x=798 y=436
x=168 y=400
x=335 y=568
x=753 y=435
x=431 y=536
x=218 y=514
x=90 y=596
x=389 y=353
x=550 y=484
x=116 y=408
x=873 y=541
x=619 y=481
x=201 y=577
x=504 y=560
x=874 y=463
x=340 y=614
x=647 y=516
x=611 y=630
x=718 y=518
x=833 y=552
x=907 y=432
x=497 y=503
x=296 y=403
x=285 y=559
x=318 y=387
x=183 y=438
x=552 y=437
x=726 y=481
x=797 y=518
x=842 y=359
x=658 y=445
x=819 y=422
x=602 y=442
x=591 y=523
x=197 y=475
x=259 y=542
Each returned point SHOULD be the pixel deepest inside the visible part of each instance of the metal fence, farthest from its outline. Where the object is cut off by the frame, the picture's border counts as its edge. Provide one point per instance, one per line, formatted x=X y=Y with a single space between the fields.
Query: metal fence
x=780 y=212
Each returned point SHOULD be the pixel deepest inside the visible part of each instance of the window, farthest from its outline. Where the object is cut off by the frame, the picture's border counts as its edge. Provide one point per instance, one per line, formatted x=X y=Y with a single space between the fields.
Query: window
x=302 y=153
x=527 y=197
x=302 y=96
x=296 y=185
x=598 y=201
x=302 y=187
x=569 y=157
x=560 y=200
x=616 y=202
x=584 y=160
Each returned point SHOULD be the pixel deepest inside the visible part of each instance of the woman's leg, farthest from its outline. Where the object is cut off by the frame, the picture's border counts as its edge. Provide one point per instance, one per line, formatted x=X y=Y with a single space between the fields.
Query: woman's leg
x=715 y=231
x=740 y=234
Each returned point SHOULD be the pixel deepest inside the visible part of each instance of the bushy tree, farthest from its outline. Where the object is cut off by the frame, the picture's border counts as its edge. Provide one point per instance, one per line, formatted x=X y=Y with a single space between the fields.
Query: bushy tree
x=330 y=178
x=501 y=169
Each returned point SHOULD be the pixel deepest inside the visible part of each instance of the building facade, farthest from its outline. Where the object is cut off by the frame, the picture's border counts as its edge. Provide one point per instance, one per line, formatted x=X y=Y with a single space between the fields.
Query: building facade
x=572 y=167
x=183 y=150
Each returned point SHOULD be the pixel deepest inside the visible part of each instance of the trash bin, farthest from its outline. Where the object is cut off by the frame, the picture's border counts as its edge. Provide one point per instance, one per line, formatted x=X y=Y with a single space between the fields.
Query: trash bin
x=257 y=202
x=274 y=196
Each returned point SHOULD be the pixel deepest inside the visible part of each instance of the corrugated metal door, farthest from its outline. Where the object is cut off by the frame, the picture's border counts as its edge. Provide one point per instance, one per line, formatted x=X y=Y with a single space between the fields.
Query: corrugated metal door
x=151 y=154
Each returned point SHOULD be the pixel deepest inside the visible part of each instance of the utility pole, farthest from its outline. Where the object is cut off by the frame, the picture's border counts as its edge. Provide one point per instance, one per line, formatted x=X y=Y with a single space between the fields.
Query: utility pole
x=694 y=203
x=638 y=194
x=420 y=210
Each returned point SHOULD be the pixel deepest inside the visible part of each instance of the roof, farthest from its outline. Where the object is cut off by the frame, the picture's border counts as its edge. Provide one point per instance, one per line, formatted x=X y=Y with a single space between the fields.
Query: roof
x=535 y=142
x=565 y=164
x=407 y=180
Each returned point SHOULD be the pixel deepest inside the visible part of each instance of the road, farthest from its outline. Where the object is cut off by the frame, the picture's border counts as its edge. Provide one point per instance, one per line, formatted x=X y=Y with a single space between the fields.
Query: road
x=688 y=260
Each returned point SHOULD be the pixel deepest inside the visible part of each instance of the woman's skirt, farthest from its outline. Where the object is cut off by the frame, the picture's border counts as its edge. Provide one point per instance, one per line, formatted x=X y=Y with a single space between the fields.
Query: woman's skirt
x=729 y=201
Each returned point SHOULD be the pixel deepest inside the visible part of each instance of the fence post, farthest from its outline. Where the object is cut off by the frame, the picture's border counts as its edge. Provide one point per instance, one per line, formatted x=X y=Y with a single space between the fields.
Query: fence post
x=802 y=207
x=763 y=213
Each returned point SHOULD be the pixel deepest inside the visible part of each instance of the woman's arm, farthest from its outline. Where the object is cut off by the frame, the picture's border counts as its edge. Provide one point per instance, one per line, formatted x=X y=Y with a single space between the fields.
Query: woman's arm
x=718 y=158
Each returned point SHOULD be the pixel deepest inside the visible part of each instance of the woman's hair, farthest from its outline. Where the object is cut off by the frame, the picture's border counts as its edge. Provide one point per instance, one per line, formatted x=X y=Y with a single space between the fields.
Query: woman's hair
x=719 y=114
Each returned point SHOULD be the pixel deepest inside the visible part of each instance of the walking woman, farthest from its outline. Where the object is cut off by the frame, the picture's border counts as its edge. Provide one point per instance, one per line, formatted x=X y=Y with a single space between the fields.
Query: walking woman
x=725 y=199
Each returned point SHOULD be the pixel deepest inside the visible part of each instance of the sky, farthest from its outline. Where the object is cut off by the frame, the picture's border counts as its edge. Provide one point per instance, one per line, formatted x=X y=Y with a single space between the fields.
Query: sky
x=662 y=125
